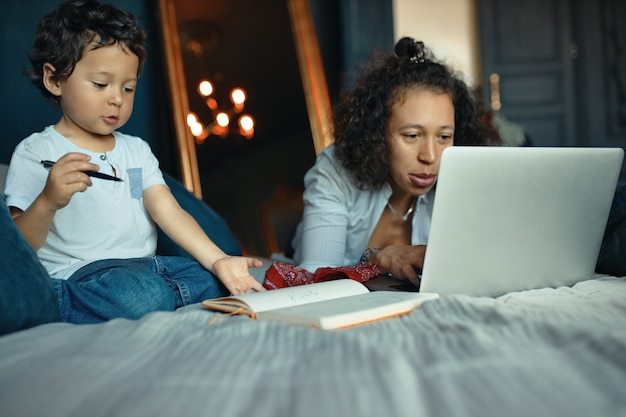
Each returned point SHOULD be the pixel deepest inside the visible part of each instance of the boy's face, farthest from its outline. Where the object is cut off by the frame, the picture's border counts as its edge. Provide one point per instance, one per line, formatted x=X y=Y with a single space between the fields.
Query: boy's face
x=97 y=98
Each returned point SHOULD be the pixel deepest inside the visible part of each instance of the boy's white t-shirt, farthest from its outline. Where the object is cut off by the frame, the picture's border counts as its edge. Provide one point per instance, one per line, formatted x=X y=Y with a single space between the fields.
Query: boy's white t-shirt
x=106 y=221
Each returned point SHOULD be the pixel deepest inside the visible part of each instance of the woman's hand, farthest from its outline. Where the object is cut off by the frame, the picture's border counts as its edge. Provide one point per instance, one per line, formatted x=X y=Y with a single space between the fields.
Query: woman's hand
x=233 y=272
x=402 y=262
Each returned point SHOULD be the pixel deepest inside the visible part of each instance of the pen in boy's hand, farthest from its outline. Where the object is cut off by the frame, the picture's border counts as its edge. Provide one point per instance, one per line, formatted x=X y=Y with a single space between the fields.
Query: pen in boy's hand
x=95 y=174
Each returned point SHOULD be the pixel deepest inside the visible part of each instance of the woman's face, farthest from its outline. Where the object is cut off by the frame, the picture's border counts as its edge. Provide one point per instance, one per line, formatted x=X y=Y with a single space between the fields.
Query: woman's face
x=420 y=127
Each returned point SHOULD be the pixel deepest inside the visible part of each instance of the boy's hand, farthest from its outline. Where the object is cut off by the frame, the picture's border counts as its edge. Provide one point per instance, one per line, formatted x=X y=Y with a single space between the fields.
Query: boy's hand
x=66 y=177
x=233 y=272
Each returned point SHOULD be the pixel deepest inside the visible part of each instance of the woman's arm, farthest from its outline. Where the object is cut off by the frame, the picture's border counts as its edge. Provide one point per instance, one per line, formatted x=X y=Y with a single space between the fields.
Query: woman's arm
x=323 y=241
x=402 y=261
x=323 y=231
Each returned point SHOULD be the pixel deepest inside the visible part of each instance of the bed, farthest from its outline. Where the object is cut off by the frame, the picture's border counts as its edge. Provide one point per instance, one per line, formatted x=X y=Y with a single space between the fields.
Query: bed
x=545 y=352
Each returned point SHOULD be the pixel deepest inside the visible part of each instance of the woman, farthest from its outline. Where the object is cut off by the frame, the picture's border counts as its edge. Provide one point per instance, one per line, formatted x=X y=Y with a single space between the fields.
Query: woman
x=369 y=197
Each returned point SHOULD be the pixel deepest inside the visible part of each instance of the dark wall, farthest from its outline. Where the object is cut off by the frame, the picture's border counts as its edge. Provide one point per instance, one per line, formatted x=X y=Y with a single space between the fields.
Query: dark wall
x=25 y=110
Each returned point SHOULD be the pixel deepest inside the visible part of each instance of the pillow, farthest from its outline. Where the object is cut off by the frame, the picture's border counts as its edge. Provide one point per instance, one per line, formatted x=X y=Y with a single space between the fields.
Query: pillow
x=26 y=295
x=211 y=222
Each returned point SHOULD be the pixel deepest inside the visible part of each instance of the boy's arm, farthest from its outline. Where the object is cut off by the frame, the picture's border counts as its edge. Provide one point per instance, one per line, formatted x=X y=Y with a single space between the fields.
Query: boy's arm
x=66 y=177
x=183 y=229
x=35 y=221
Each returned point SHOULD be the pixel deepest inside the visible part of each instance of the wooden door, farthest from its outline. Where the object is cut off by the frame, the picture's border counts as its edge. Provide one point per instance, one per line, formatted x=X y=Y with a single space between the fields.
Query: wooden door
x=601 y=71
x=527 y=66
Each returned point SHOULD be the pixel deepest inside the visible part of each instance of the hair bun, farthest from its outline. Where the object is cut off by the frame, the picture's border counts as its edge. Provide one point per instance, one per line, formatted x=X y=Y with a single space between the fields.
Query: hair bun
x=411 y=49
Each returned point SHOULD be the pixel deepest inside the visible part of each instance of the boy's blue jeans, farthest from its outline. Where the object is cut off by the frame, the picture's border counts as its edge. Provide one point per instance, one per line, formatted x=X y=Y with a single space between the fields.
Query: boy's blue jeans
x=26 y=297
x=131 y=288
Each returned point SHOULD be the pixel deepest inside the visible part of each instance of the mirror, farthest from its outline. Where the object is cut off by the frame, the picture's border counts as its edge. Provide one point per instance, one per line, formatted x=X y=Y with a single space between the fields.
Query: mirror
x=270 y=50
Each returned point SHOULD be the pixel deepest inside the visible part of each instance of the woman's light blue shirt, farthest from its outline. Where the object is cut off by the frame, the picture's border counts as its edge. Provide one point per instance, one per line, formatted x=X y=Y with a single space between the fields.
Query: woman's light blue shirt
x=339 y=218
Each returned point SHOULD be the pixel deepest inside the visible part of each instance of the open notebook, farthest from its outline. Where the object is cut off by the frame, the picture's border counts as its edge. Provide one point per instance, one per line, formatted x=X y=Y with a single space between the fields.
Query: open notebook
x=510 y=219
x=328 y=305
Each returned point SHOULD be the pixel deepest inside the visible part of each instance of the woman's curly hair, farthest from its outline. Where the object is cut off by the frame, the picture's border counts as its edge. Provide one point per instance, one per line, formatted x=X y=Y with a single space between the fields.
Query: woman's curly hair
x=63 y=34
x=362 y=114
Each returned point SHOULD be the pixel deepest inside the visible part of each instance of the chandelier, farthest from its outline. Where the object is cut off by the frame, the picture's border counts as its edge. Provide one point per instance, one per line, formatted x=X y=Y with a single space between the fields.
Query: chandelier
x=221 y=125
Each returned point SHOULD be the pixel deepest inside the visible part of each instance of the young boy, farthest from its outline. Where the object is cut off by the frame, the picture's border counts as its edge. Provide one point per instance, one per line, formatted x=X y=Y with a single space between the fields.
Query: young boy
x=97 y=237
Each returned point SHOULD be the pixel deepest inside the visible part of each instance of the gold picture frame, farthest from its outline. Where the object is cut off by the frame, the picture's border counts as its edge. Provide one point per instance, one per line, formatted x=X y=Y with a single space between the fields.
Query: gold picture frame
x=311 y=72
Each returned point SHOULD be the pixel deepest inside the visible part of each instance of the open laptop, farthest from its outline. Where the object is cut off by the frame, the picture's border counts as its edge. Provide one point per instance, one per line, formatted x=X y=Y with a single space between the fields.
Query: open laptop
x=510 y=219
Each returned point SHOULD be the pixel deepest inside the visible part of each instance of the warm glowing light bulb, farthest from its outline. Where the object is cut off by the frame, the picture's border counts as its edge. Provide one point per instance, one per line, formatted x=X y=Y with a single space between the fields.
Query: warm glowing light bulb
x=194 y=124
x=246 y=122
x=246 y=126
x=222 y=119
x=205 y=88
x=196 y=129
x=191 y=119
x=237 y=96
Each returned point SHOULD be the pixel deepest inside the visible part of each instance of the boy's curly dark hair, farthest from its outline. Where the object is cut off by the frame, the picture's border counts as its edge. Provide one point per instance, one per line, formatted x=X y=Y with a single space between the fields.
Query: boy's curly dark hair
x=63 y=34
x=362 y=114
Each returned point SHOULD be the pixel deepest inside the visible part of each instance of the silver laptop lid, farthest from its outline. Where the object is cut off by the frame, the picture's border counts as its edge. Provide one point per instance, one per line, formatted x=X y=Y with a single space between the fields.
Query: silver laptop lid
x=509 y=219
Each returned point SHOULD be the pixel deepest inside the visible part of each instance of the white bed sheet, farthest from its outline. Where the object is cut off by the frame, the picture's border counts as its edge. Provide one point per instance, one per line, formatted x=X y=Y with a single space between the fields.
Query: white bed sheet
x=548 y=352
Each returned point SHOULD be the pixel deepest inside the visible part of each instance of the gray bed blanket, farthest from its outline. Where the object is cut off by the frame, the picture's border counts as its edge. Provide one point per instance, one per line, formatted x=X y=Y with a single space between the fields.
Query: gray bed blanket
x=548 y=352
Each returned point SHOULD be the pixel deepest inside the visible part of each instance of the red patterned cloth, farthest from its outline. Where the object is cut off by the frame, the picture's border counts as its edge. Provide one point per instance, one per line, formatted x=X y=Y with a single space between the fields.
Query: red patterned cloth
x=280 y=275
